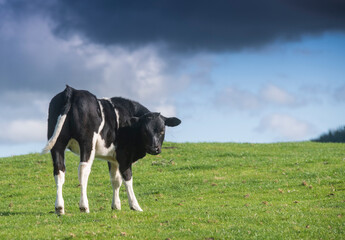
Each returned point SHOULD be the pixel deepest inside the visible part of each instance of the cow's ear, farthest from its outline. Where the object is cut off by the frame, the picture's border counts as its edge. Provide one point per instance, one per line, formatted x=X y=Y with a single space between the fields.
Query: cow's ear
x=133 y=121
x=172 y=122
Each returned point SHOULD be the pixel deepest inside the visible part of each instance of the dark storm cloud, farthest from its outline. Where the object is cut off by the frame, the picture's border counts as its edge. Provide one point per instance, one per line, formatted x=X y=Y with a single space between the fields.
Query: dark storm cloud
x=192 y=25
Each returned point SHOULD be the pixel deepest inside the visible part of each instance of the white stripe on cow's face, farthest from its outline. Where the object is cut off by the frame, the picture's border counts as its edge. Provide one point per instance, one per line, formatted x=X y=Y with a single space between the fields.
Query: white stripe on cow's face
x=132 y=200
x=59 y=203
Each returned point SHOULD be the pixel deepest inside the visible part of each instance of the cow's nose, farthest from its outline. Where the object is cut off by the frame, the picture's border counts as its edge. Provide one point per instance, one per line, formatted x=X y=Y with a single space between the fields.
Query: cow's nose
x=157 y=149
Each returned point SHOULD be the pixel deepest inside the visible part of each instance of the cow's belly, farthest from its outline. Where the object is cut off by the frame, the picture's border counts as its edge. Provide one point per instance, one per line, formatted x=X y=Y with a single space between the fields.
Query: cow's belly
x=101 y=151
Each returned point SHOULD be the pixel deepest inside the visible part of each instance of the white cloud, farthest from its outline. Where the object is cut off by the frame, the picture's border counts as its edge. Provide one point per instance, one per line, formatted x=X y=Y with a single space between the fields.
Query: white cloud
x=23 y=131
x=47 y=63
x=275 y=95
x=286 y=127
x=32 y=59
x=269 y=96
x=233 y=97
x=141 y=75
x=166 y=110
x=19 y=104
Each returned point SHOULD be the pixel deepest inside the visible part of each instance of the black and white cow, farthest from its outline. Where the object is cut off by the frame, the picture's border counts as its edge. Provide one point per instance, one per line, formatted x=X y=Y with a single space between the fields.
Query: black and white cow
x=118 y=130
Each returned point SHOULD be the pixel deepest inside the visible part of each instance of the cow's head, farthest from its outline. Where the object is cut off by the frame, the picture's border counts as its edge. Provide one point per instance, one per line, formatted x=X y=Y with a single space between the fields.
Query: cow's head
x=152 y=130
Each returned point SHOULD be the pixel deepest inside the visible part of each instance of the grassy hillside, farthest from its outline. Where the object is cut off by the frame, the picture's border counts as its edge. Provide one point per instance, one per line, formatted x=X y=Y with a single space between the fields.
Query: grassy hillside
x=190 y=191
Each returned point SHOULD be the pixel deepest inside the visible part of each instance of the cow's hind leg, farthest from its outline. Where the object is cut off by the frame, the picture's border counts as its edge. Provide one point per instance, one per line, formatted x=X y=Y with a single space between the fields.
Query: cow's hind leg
x=58 y=156
x=116 y=181
x=87 y=155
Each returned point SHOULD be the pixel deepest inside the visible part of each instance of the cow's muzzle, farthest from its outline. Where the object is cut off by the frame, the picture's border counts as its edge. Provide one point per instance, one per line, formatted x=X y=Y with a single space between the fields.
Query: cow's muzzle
x=153 y=150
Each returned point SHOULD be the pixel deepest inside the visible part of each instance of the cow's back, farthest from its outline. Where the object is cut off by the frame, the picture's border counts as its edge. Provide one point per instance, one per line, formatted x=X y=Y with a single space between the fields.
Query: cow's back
x=85 y=115
x=127 y=109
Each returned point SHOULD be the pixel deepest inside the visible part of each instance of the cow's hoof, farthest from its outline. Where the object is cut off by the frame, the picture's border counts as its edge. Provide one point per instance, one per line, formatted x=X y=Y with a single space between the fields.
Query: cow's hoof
x=116 y=208
x=116 y=205
x=59 y=211
x=84 y=209
x=136 y=208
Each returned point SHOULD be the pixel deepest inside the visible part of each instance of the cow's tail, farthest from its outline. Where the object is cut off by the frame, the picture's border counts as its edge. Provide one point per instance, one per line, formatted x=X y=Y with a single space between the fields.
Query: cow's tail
x=68 y=92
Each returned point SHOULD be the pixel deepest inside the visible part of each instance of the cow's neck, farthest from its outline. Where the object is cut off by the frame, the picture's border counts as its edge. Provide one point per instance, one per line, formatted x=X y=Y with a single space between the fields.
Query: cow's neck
x=130 y=141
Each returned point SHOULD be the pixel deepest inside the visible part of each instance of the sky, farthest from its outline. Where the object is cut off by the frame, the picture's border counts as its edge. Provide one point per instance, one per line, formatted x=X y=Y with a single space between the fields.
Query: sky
x=232 y=71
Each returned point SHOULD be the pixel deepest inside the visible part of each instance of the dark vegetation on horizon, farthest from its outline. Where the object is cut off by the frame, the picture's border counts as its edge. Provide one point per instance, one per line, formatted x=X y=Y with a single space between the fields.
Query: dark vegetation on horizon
x=337 y=135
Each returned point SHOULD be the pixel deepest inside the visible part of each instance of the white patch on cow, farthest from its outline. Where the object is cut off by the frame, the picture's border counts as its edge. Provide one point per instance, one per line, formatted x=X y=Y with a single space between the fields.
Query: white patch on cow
x=59 y=203
x=117 y=118
x=54 y=137
x=103 y=152
x=116 y=181
x=132 y=200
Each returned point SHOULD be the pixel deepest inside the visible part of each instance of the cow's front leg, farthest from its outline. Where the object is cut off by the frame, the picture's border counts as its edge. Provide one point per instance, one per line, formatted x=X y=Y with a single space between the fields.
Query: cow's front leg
x=116 y=181
x=132 y=200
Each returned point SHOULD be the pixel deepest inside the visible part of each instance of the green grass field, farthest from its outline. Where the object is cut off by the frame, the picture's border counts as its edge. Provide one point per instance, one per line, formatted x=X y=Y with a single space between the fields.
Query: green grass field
x=190 y=191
